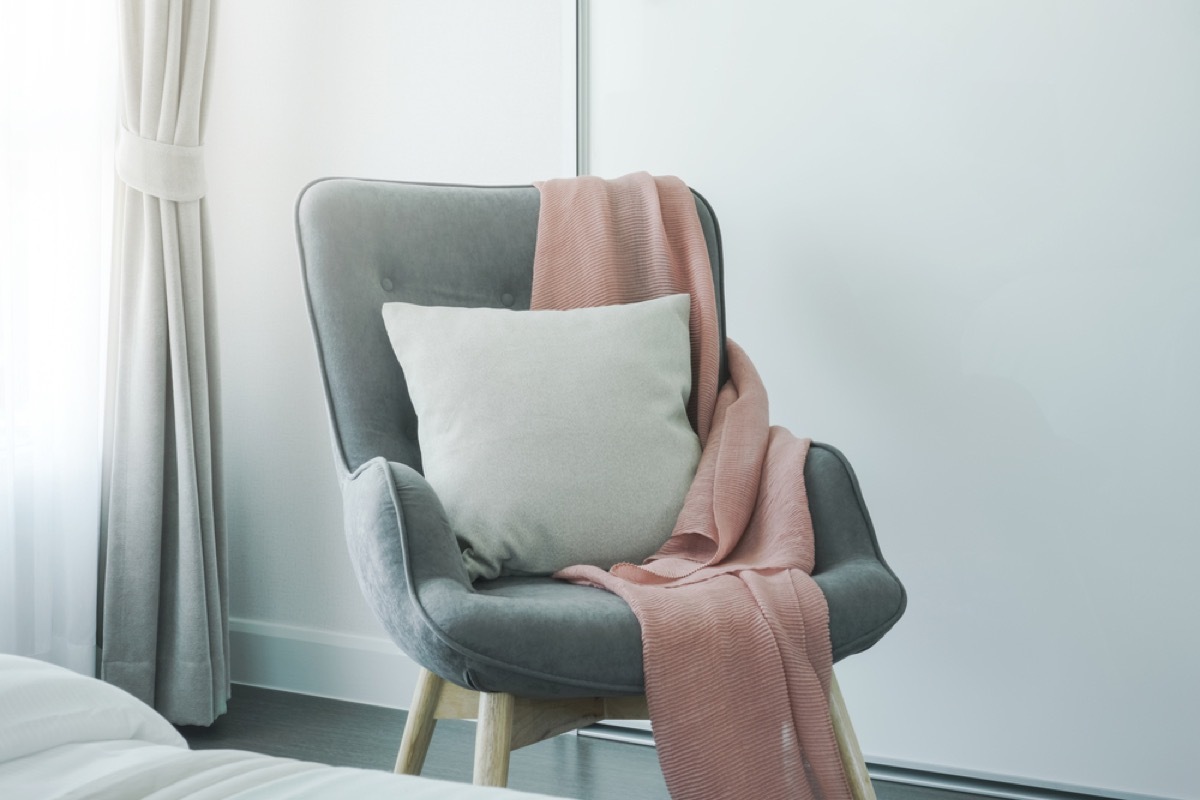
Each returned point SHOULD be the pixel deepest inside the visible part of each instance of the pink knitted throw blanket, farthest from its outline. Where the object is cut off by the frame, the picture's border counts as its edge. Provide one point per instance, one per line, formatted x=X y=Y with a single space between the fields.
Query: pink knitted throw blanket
x=735 y=632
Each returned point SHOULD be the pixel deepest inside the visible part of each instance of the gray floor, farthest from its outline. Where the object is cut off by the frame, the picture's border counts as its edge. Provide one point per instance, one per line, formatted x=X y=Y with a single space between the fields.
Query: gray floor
x=348 y=734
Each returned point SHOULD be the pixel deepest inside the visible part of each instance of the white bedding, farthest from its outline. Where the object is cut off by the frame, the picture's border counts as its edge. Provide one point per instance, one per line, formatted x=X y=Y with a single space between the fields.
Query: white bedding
x=66 y=736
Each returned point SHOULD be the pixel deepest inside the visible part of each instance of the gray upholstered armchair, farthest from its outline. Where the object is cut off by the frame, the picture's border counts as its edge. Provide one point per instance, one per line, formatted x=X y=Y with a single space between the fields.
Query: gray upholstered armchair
x=527 y=657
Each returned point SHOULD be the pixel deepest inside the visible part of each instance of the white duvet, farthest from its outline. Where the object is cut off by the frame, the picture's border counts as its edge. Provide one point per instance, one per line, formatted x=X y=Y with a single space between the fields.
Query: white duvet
x=66 y=736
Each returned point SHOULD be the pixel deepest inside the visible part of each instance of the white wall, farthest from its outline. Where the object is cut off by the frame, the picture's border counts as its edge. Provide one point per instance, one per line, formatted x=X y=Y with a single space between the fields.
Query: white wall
x=461 y=91
x=978 y=226
x=963 y=244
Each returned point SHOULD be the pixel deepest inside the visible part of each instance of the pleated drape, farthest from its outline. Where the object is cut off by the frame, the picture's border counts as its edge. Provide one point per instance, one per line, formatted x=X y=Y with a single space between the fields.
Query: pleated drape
x=164 y=624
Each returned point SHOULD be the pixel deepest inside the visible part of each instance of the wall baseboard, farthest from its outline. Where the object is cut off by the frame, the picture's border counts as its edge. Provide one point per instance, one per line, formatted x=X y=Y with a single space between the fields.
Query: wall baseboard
x=984 y=784
x=360 y=669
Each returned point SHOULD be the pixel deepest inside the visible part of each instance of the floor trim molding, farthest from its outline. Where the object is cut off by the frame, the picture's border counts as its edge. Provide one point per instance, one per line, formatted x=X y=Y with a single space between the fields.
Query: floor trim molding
x=989 y=785
x=360 y=669
x=983 y=784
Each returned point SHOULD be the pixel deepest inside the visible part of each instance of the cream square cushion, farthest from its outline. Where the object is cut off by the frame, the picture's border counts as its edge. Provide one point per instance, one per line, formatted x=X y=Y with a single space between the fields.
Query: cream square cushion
x=552 y=437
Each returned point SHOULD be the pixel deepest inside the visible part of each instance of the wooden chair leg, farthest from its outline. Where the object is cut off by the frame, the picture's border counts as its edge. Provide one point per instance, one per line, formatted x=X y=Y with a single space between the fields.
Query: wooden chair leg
x=504 y=722
x=852 y=758
x=493 y=738
x=418 y=729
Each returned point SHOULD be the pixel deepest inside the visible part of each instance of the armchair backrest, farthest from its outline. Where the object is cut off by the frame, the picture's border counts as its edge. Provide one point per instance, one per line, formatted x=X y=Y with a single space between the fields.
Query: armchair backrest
x=365 y=243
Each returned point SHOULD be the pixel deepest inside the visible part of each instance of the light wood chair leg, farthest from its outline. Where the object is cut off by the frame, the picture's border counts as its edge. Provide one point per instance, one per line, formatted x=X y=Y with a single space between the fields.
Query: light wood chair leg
x=418 y=729
x=852 y=758
x=493 y=738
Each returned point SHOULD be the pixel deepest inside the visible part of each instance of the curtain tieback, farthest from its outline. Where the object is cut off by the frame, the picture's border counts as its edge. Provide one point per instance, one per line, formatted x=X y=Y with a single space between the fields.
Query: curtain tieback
x=168 y=171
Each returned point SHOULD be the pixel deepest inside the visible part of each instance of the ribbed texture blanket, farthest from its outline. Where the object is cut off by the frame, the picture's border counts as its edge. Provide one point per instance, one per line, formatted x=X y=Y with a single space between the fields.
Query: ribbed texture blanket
x=735 y=632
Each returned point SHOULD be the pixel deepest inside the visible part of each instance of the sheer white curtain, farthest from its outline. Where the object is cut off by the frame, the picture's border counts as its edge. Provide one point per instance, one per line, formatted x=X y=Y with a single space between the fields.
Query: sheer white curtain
x=57 y=133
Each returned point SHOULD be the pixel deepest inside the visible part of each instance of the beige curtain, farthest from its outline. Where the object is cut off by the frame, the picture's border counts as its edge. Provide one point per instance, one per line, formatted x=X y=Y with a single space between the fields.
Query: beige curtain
x=165 y=608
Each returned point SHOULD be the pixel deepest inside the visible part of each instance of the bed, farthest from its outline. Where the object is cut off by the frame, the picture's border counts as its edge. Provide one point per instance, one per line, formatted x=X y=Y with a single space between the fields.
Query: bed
x=63 y=735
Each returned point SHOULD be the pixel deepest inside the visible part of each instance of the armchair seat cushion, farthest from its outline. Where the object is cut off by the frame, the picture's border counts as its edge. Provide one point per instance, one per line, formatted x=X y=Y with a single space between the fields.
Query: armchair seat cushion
x=540 y=637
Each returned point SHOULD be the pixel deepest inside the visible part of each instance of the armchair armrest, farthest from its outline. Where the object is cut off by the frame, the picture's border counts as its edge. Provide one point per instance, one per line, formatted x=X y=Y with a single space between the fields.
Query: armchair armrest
x=400 y=542
x=865 y=596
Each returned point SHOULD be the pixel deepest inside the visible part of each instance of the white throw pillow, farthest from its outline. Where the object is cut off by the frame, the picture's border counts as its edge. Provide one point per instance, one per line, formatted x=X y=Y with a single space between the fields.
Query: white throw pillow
x=552 y=437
